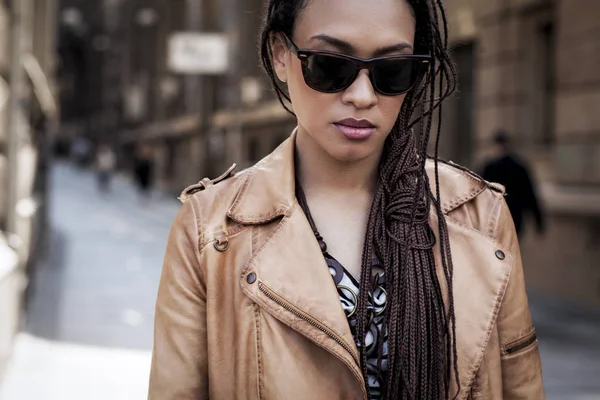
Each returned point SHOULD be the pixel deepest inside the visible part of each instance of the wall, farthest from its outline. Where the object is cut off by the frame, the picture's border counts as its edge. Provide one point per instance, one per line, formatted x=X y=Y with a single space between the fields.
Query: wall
x=569 y=264
x=536 y=76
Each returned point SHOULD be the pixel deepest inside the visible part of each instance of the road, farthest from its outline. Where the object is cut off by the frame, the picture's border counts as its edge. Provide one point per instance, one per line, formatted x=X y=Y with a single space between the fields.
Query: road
x=89 y=330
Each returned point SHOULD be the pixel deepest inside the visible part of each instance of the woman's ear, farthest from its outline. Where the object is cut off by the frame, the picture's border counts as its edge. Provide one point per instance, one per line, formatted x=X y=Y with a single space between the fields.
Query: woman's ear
x=280 y=56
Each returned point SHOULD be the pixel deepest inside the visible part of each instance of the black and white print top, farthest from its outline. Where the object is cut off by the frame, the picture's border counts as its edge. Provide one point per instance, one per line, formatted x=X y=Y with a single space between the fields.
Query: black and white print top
x=376 y=336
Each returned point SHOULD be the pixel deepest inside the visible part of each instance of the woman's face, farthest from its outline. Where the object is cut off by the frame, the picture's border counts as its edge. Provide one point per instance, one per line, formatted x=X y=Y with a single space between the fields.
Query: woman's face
x=360 y=28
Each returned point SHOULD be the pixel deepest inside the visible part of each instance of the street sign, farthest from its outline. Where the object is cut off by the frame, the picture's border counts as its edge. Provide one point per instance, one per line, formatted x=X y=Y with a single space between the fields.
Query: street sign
x=198 y=53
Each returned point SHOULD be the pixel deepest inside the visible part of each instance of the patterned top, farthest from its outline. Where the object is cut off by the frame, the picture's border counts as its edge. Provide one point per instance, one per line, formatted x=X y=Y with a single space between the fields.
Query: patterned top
x=376 y=336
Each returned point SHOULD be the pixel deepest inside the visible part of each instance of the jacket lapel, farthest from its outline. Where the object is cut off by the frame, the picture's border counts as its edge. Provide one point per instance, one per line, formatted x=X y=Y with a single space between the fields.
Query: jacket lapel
x=290 y=264
x=480 y=278
x=479 y=284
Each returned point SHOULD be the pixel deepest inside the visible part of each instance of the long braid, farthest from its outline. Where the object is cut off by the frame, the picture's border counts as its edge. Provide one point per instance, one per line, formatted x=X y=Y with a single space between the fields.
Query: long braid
x=446 y=75
x=422 y=354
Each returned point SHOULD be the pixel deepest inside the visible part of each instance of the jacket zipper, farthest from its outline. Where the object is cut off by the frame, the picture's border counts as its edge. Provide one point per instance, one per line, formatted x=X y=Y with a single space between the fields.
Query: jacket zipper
x=271 y=295
x=294 y=310
x=522 y=344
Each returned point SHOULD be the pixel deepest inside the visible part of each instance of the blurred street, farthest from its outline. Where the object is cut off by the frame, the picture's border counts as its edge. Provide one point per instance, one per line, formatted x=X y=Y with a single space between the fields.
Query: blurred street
x=90 y=321
x=89 y=330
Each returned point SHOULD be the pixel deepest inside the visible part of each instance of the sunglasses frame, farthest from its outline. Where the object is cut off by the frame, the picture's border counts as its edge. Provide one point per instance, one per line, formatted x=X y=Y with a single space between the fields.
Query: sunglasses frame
x=361 y=63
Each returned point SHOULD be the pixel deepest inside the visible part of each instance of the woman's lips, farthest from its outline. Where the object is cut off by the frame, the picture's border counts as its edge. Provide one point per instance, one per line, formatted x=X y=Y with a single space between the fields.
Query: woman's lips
x=354 y=129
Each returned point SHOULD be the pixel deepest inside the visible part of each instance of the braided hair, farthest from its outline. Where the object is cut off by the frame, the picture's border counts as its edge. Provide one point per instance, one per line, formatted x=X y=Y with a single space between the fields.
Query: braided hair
x=422 y=355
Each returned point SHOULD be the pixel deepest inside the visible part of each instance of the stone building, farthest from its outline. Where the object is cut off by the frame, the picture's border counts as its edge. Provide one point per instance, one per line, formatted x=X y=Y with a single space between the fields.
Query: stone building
x=85 y=51
x=534 y=64
x=26 y=122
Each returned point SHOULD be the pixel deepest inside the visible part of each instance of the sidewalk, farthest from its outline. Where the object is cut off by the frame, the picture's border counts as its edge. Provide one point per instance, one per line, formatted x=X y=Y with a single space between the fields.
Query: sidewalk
x=46 y=370
x=569 y=340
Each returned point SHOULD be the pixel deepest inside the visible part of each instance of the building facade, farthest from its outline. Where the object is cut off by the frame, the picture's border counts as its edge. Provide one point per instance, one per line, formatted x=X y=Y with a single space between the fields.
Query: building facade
x=82 y=49
x=186 y=118
x=534 y=76
x=28 y=118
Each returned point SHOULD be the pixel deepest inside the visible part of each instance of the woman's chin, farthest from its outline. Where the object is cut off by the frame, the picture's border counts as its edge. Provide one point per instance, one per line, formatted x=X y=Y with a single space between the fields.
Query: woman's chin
x=350 y=154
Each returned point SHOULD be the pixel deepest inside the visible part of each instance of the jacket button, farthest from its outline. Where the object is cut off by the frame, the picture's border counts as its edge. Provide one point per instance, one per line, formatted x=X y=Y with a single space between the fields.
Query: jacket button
x=500 y=254
x=251 y=278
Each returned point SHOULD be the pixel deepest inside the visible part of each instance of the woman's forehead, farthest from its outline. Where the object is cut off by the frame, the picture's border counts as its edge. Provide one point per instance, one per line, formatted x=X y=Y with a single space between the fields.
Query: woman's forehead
x=366 y=24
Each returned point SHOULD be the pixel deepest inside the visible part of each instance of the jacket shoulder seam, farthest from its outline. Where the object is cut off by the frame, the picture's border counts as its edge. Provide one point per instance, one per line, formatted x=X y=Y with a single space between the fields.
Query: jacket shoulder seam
x=241 y=192
x=494 y=217
x=197 y=221
x=198 y=225
x=457 y=201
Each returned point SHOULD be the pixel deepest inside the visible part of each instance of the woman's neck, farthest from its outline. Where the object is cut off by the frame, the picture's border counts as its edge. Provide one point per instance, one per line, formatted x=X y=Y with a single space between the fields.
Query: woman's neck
x=318 y=171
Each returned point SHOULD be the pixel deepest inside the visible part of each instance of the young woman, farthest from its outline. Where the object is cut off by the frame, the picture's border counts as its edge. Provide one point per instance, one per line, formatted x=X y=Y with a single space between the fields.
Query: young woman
x=346 y=265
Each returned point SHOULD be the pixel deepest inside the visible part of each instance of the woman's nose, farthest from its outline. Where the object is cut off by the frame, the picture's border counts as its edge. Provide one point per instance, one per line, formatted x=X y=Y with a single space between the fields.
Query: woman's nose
x=361 y=93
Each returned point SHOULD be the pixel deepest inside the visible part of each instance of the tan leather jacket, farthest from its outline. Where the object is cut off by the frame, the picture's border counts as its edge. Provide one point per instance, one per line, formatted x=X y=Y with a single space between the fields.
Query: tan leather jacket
x=247 y=308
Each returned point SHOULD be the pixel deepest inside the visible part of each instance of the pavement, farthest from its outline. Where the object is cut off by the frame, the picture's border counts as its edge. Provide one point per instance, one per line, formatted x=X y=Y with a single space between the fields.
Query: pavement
x=89 y=327
x=569 y=340
x=88 y=333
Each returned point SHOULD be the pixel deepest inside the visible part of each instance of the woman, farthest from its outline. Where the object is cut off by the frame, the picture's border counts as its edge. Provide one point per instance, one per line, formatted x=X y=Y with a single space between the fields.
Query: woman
x=345 y=265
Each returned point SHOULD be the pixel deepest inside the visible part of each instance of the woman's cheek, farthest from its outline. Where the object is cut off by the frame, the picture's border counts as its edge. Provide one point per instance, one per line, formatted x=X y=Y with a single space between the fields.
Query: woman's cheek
x=390 y=108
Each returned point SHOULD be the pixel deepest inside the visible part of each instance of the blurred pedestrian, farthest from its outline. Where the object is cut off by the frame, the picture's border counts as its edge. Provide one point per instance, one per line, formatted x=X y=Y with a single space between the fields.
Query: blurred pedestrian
x=81 y=151
x=143 y=171
x=326 y=270
x=508 y=169
x=105 y=166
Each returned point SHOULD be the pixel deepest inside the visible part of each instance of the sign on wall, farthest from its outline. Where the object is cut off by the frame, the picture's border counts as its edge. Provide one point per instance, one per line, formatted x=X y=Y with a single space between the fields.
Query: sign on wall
x=198 y=53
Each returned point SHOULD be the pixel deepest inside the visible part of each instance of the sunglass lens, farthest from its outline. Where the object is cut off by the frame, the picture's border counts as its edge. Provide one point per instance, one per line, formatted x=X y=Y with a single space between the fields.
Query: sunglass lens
x=328 y=73
x=396 y=76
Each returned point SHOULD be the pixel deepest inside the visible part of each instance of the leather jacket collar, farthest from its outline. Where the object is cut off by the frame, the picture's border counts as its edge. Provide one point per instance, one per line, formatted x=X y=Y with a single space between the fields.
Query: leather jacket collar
x=268 y=189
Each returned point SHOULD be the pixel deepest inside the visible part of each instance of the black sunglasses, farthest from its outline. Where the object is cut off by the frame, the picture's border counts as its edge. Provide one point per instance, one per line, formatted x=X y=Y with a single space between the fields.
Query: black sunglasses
x=332 y=72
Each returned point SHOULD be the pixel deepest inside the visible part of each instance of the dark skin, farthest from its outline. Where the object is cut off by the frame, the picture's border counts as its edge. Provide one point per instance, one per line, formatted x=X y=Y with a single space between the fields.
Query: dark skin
x=339 y=175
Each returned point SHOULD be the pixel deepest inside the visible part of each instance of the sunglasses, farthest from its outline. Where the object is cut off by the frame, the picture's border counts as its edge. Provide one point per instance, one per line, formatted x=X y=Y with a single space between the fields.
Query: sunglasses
x=332 y=72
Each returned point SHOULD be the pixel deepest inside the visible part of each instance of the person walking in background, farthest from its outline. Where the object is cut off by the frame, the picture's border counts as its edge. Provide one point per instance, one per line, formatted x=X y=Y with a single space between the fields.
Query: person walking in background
x=509 y=170
x=81 y=151
x=105 y=166
x=144 y=166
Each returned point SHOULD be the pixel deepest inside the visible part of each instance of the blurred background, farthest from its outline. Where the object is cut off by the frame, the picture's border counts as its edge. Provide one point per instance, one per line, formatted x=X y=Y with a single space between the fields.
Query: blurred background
x=109 y=108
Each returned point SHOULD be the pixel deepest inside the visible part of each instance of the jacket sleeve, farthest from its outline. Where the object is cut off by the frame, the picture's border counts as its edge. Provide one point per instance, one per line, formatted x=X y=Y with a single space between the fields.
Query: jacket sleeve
x=179 y=361
x=520 y=358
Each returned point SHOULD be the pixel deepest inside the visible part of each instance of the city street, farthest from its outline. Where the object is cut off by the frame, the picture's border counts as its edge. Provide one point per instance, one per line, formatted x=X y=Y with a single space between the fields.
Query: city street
x=89 y=325
x=89 y=329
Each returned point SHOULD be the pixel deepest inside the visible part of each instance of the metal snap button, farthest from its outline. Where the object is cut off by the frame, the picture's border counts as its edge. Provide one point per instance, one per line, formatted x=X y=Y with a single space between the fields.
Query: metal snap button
x=500 y=254
x=251 y=278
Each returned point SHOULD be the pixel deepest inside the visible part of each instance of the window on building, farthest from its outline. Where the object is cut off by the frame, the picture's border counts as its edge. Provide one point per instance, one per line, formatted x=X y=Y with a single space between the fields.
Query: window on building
x=537 y=78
